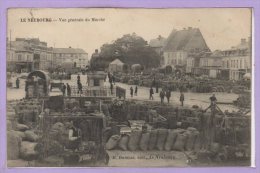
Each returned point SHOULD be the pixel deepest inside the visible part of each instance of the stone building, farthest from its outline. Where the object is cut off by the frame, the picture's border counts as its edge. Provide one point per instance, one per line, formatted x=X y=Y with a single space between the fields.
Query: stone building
x=158 y=45
x=237 y=61
x=210 y=65
x=26 y=55
x=77 y=57
x=183 y=44
x=191 y=64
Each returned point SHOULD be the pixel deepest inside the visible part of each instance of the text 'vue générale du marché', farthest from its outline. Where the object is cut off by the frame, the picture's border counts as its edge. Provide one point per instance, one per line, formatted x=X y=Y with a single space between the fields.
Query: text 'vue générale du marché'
x=67 y=20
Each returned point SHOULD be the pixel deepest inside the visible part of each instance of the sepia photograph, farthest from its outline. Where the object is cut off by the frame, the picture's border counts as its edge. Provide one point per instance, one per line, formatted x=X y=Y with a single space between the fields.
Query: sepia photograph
x=119 y=87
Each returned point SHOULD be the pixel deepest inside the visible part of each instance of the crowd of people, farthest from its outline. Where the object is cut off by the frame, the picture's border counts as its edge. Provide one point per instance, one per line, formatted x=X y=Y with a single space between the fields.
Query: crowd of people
x=165 y=93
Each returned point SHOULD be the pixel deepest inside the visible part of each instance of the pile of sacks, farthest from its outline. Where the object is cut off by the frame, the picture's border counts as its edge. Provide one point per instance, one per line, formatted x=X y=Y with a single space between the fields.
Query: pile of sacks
x=157 y=139
x=21 y=139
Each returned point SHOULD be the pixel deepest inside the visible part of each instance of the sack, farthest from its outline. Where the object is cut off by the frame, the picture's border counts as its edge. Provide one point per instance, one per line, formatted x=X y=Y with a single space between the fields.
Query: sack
x=134 y=140
x=153 y=139
x=179 y=145
x=197 y=142
x=144 y=142
x=31 y=136
x=170 y=140
x=122 y=144
x=112 y=142
x=191 y=137
x=214 y=147
x=162 y=135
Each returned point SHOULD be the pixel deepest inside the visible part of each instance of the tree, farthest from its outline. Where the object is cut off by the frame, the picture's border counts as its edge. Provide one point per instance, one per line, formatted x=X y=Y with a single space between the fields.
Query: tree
x=130 y=49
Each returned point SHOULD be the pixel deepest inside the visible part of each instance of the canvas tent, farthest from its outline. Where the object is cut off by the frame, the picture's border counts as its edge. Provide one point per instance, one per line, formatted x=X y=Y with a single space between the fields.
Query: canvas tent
x=117 y=66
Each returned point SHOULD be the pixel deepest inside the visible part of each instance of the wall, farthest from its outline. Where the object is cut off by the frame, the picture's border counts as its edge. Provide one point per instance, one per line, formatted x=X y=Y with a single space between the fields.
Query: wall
x=81 y=60
x=175 y=58
x=238 y=65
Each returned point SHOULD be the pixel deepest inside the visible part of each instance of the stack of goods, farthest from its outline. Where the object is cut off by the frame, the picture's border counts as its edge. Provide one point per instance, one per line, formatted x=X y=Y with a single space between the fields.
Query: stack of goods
x=218 y=89
x=243 y=101
x=117 y=110
x=189 y=117
x=28 y=110
x=70 y=103
x=202 y=88
x=170 y=113
x=136 y=111
x=236 y=130
x=156 y=139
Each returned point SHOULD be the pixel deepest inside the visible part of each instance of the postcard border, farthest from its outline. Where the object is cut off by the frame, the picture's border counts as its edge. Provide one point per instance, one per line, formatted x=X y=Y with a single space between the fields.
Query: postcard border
x=4 y=5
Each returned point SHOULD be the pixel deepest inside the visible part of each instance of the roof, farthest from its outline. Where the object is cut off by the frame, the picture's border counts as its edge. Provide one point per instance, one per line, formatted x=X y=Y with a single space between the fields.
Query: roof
x=158 y=42
x=216 y=54
x=186 y=39
x=117 y=62
x=21 y=47
x=69 y=50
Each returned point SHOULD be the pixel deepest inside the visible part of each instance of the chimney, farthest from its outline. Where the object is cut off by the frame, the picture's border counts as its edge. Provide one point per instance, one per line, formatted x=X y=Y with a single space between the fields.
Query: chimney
x=96 y=50
x=243 y=40
x=159 y=37
x=184 y=28
x=70 y=47
x=189 y=28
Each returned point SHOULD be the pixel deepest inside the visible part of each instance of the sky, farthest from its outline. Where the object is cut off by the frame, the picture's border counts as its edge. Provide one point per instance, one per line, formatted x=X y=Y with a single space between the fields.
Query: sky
x=222 y=28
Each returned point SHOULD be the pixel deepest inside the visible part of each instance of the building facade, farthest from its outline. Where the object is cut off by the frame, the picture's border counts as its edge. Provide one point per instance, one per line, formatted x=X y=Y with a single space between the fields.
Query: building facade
x=26 y=55
x=77 y=57
x=236 y=62
x=158 y=45
x=192 y=63
x=29 y=54
x=183 y=44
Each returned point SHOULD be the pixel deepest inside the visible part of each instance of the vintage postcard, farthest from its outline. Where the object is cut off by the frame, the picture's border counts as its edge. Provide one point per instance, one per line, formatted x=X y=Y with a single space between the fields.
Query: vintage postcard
x=111 y=87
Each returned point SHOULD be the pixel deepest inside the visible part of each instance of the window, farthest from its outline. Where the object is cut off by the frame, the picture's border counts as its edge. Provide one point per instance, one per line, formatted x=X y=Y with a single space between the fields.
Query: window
x=19 y=57
x=28 y=57
x=96 y=82
x=241 y=63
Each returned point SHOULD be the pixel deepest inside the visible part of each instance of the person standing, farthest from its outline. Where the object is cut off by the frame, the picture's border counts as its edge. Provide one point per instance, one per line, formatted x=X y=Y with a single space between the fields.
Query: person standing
x=182 y=98
x=17 y=83
x=151 y=93
x=157 y=88
x=162 y=94
x=68 y=90
x=111 y=88
x=168 y=95
x=136 y=89
x=213 y=99
x=113 y=79
x=63 y=89
x=78 y=78
x=131 y=91
x=79 y=88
